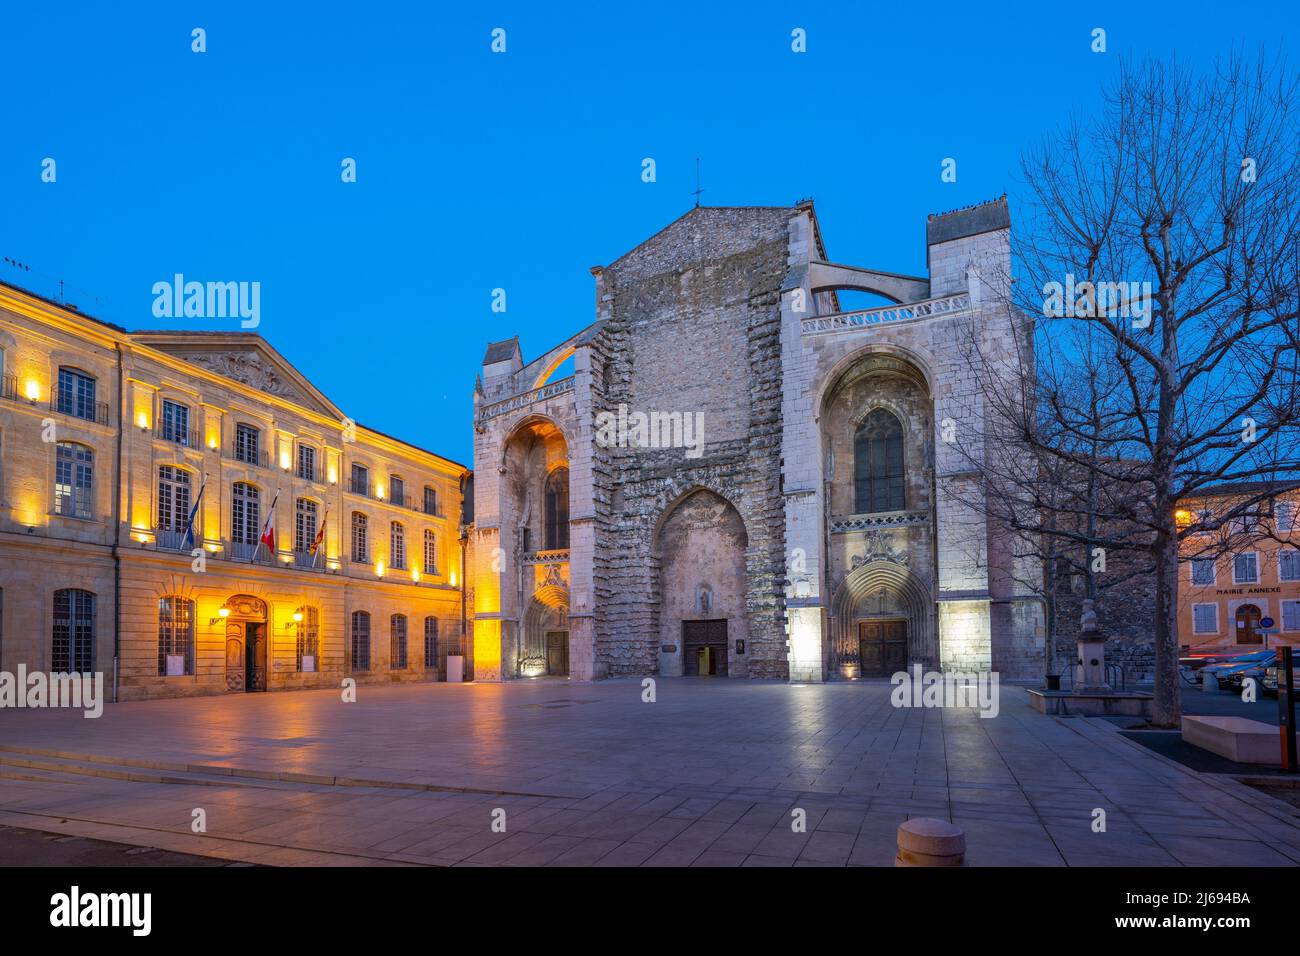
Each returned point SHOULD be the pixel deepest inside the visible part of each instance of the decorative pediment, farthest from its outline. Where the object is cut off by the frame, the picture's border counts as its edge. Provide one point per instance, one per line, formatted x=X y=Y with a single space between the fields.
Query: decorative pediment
x=246 y=359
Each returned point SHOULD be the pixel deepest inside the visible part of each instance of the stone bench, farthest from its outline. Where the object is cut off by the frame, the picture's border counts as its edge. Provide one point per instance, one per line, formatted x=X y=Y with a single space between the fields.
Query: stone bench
x=1234 y=738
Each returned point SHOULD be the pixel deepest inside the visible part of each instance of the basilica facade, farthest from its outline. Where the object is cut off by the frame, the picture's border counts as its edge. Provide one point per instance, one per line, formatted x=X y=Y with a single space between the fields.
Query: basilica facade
x=728 y=474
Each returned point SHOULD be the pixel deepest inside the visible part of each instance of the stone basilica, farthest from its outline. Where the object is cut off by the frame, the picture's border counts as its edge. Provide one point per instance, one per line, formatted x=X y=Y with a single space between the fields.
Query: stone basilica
x=817 y=527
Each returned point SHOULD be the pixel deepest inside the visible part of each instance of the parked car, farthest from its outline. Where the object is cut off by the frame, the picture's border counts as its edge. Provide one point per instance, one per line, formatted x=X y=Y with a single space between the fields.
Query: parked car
x=1231 y=674
x=1269 y=681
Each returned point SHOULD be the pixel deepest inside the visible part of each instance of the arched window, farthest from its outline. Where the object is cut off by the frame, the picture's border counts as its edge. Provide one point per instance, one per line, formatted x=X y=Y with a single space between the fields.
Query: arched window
x=74 y=632
x=76 y=394
x=430 y=551
x=397 y=645
x=308 y=640
x=360 y=544
x=557 y=509
x=173 y=500
x=361 y=640
x=397 y=546
x=304 y=525
x=245 y=514
x=430 y=643
x=878 y=464
x=175 y=637
x=74 y=480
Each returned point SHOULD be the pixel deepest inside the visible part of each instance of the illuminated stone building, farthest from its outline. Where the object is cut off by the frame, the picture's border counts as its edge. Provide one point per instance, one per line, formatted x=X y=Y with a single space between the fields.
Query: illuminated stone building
x=792 y=509
x=107 y=439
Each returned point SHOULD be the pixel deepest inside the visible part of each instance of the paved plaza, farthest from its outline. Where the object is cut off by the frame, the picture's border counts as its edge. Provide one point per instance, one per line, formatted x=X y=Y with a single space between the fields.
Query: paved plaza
x=589 y=774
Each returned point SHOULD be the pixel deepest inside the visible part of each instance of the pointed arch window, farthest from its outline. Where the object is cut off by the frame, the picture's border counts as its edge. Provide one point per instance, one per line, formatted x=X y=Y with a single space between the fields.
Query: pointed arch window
x=878 y=473
x=557 y=509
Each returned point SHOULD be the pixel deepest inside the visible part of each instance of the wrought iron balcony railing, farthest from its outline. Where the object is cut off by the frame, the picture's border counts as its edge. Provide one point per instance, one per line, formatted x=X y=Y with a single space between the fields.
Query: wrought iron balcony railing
x=78 y=406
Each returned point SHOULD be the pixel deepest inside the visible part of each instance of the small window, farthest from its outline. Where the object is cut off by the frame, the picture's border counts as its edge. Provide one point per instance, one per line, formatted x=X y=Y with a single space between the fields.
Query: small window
x=306 y=462
x=360 y=480
x=360 y=545
x=360 y=640
x=175 y=637
x=248 y=441
x=397 y=624
x=308 y=640
x=76 y=394
x=1245 y=568
x=1291 y=616
x=430 y=552
x=74 y=480
x=430 y=500
x=73 y=632
x=430 y=643
x=397 y=491
x=176 y=422
x=1284 y=516
x=397 y=546
x=1288 y=565
x=1205 y=618
x=1202 y=571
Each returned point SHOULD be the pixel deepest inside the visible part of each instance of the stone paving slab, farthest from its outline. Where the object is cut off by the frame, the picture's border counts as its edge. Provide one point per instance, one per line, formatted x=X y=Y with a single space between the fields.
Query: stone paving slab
x=708 y=775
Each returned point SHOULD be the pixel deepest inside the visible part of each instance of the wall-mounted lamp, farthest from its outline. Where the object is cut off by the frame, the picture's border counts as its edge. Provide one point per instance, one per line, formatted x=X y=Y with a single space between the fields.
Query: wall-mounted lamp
x=415 y=575
x=379 y=569
x=212 y=442
x=297 y=619
x=223 y=612
x=143 y=421
x=33 y=390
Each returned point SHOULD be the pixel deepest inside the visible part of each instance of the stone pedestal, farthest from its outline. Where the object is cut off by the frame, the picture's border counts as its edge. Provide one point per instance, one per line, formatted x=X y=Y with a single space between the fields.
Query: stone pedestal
x=925 y=841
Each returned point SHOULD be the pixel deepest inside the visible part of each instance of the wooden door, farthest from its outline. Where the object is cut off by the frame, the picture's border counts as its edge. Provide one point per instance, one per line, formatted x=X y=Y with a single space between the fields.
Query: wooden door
x=1248 y=616
x=255 y=641
x=704 y=648
x=234 y=657
x=883 y=647
x=557 y=653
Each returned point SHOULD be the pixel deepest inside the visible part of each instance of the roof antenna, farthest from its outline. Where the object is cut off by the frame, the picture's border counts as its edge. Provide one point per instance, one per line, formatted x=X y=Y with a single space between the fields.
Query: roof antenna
x=698 y=190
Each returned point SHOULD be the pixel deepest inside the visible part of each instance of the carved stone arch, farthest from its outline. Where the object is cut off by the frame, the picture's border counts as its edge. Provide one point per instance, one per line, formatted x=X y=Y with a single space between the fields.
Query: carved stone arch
x=515 y=428
x=867 y=360
x=547 y=610
x=913 y=595
x=673 y=495
x=549 y=370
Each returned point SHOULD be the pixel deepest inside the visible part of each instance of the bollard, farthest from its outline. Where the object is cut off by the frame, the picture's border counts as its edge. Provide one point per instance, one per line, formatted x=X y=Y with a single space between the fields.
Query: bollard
x=925 y=841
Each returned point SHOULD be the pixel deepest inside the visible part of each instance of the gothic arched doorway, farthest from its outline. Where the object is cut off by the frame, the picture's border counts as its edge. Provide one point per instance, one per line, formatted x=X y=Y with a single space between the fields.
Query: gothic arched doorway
x=544 y=650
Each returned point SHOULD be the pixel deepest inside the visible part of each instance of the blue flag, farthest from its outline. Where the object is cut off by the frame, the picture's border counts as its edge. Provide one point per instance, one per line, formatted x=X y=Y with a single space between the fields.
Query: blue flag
x=188 y=542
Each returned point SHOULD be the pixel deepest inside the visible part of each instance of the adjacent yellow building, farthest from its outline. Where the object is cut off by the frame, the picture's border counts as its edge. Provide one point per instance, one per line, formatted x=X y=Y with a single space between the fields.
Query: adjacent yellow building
x=111 y=440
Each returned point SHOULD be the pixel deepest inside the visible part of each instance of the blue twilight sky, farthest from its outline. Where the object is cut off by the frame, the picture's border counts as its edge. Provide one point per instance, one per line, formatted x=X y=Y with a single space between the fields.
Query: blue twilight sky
x=520 y=170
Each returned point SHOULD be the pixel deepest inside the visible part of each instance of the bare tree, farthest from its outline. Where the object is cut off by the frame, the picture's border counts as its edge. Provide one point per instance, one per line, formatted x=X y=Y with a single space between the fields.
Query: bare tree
x=1158 y=255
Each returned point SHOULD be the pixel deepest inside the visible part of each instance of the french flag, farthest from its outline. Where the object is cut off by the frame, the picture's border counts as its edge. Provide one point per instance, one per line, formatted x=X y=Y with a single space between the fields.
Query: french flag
x=268 y=529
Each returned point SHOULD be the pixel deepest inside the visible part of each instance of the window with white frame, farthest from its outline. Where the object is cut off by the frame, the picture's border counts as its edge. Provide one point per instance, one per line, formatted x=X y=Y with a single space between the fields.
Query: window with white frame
x=304 y=525
x=1291 y=616
x=360 y=543
x=1202 y=571
x=173 y=498
x=245 y=514
x=74 y=480
x=1205 y=618
x=1245 y=568
x=1284 y=516
x=175 y=422
x=397 y=546
x=430 y=552
x=1288 y=565
x=306 y=462
x=247 y=441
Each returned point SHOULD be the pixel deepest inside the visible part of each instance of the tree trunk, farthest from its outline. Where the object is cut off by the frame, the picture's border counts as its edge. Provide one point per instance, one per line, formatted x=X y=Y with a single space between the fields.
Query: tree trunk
x=1168 y=709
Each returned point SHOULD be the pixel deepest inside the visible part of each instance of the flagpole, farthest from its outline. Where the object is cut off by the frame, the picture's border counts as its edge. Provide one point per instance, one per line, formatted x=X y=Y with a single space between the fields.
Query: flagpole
x=269 y=525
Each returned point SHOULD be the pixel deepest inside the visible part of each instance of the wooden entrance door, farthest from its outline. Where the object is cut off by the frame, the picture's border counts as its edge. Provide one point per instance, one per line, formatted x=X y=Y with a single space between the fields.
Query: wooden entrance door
x=1248 y=616
x=704 y=648
x=234 y=656
x=255 y=656
x=883 y=647
x=557 y=653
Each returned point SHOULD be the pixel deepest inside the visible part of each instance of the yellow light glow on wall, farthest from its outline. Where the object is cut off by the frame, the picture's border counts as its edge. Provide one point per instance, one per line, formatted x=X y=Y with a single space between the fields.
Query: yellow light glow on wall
x=334 y=475
x=415 y=575
x=32 y=390
x=142 y=420
x=452 y=578
x=212 y=441
x=1182 y=517
x=284 y=460
x=379 y=569
x=379 y=492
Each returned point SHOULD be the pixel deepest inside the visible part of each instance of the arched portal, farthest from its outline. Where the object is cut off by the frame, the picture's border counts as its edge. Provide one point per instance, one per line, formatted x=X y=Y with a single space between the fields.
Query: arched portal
x=882 y=620
x=704 y=627
x=544 y=650
x=246 y=643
